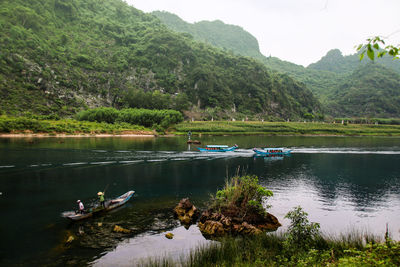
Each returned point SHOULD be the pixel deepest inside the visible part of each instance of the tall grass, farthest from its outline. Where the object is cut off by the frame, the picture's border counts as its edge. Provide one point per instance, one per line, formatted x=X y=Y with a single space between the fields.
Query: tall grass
x=65 y=126
x=270 y=250
x=285 y=128
x=144 y=117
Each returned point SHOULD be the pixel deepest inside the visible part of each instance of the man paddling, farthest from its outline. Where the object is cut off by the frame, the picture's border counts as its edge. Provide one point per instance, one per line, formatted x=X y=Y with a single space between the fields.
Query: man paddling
x=101 y=199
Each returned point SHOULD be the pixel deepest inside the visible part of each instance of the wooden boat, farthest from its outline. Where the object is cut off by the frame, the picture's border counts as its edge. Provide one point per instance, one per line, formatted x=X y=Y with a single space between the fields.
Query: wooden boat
x=217 y=148
x=272 y=151
x=110 y=205
x=196 y=142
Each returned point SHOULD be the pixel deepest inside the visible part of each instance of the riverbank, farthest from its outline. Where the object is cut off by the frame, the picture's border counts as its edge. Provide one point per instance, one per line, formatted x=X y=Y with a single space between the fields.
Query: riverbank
x=284 y=128
x=30 y=127
x=38 y=135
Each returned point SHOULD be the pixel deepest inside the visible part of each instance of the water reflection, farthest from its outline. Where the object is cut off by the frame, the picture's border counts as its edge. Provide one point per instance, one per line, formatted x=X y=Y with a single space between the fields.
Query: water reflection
x=340 y=182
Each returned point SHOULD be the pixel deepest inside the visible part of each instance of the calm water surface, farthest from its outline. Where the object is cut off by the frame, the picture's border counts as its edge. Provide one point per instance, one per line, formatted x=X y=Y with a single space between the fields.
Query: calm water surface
x=344 y=183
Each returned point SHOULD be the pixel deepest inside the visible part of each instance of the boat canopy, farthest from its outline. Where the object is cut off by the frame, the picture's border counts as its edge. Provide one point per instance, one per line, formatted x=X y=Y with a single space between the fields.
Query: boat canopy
x=222 y=146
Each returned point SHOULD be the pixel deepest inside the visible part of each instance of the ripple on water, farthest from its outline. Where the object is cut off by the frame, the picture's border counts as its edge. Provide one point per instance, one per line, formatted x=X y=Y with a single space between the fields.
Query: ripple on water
x=102 y=162
x=7 y=166
x=154 y=246
x=75 y=163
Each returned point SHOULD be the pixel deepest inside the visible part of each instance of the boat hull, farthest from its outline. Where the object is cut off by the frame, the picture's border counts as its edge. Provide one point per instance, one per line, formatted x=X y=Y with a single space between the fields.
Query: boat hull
x=110 y=205
x=213 y=149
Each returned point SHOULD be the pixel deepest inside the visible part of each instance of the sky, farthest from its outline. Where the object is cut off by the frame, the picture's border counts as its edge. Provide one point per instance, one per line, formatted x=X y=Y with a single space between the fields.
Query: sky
x=298 y=31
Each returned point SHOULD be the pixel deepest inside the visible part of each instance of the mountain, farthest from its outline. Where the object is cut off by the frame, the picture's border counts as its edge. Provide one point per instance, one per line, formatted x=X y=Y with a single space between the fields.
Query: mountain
x=328 y=79
x=216 y=33
x=334 y=61
x=370 y=91
x=60 y=56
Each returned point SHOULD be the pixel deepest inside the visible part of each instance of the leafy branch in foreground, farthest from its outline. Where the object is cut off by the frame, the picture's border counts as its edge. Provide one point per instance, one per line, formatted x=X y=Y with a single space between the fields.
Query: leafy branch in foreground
x=301 y=233
x=377 y=43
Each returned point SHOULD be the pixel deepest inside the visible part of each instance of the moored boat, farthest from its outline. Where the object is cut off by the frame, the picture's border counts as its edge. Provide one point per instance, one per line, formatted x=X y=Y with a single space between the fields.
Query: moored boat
x=217 y=148
x=110 y=205
x=272 y=151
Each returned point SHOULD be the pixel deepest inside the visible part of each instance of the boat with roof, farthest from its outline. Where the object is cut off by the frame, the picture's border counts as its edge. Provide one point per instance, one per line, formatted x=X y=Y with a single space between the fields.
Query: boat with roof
x=217 y=148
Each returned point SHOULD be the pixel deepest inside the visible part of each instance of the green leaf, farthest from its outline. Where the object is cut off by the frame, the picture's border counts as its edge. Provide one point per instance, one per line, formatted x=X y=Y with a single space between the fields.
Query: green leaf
x=362 y=55
x=381 y=54
x=376 y=46
x=370 y=53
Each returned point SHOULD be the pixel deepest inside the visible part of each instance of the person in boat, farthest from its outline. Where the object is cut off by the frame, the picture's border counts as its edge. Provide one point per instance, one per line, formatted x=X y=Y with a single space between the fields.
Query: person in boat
x=101 y=199
x=81 y=207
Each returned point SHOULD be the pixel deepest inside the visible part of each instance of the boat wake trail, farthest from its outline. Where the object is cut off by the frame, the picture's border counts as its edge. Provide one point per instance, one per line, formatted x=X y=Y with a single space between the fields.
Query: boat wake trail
x=345 y=151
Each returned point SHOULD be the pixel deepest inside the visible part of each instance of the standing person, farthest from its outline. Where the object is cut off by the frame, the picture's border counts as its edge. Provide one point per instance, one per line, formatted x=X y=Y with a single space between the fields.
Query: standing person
x=81 y=207
x=101 y=199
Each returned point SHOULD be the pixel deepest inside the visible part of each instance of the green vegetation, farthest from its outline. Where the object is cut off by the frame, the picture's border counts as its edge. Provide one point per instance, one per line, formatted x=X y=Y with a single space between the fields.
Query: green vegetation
x=229 y=37
x=28 y=125
x=62 y=56
x=301 y=245
x=144 y=117
x=243 y=194
x=370 y=90
x=374 y=45
x=285 y=128
x=344 y=85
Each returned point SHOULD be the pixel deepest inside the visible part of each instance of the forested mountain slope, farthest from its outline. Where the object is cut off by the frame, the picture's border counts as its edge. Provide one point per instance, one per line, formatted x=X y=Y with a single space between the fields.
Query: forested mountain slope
x=370 y=91
x=334 y=61
x=59 y=56
x=328 y=79
x=216 y=33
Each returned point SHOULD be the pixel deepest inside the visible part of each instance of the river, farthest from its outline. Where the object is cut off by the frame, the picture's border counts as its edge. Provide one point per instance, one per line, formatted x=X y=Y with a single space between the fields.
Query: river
x=347 y=184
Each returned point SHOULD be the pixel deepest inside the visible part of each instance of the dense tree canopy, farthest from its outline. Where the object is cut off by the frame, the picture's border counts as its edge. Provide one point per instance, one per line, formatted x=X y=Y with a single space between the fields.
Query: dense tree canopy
x=60 y=56
x=328 y=78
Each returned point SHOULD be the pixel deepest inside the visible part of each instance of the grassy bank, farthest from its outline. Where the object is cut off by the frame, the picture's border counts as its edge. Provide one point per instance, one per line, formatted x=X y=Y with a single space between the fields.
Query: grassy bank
x=25 y=125
x=285 y=128
x=273 y=250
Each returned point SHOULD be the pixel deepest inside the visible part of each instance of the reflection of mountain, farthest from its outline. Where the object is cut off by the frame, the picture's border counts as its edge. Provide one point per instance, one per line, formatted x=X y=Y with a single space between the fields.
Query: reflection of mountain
x=362 y=179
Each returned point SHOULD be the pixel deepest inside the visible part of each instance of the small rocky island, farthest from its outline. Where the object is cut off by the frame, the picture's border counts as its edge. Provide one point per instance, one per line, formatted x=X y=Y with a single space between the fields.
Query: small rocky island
x=235 y=210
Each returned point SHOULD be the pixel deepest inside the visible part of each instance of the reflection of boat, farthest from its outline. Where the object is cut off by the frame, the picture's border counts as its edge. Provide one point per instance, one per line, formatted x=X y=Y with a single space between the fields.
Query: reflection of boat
x=110 y=205
x=271 y=157
x=272 y=151
x=196 y=142
x=217 y=148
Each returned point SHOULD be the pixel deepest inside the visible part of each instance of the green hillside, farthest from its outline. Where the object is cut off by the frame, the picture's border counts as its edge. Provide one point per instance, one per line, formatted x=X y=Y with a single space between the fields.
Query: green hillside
x=334 y=61
x=370 y=91
x=60 y=56
x=328 y=79
x=216 y=33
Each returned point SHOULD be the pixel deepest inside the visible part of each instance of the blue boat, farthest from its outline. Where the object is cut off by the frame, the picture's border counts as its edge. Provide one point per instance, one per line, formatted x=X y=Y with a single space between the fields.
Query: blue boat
x=217 y=148
x=272 y=151
x=110 y=205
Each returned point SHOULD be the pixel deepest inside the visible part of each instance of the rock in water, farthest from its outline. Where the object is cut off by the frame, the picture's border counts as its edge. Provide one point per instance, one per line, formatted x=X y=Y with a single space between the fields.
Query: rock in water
x=169 y=235
x=216 y=224
x=119 y=229
x=186 y=212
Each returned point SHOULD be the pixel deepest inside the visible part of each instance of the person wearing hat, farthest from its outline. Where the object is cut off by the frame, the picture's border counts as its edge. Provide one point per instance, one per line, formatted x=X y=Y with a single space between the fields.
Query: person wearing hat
x=81 y=207
x=101 y=199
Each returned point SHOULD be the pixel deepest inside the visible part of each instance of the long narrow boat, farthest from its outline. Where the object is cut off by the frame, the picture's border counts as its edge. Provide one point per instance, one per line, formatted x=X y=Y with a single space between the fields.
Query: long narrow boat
x=272 y=151
x=110 y=205
x=217 y=148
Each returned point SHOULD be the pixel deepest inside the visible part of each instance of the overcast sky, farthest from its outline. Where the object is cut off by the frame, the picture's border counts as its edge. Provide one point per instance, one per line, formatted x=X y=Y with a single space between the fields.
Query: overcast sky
x=299 y=31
